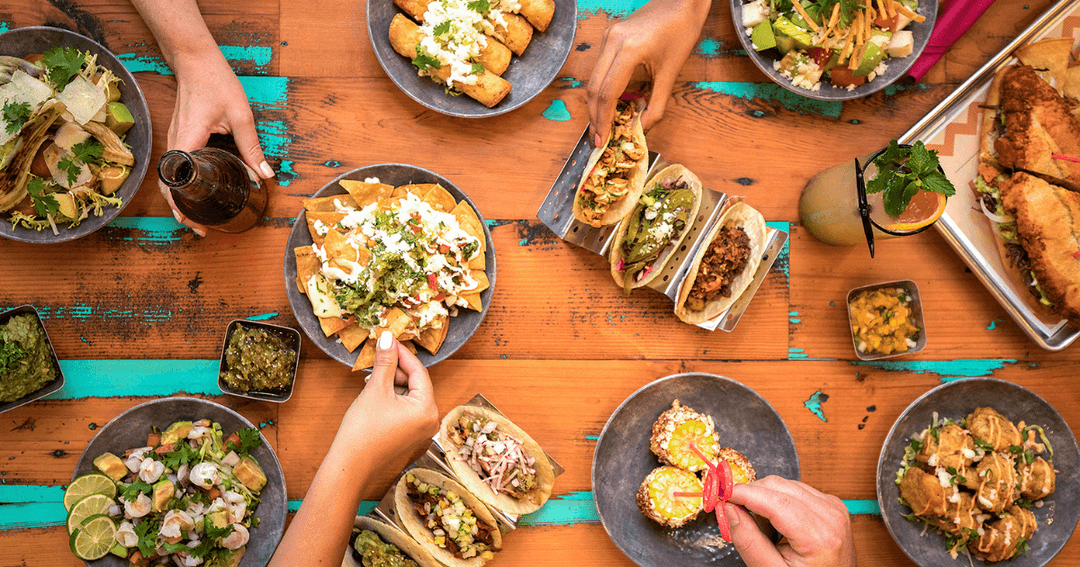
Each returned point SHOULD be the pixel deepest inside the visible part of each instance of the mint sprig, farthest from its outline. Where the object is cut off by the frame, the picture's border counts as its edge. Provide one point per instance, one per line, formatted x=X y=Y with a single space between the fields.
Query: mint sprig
x=903 y=172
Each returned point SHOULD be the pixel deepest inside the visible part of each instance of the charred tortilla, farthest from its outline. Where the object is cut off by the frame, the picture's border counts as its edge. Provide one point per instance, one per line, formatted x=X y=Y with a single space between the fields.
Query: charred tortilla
x=724 y=265
x=512 y=500
x=615 y=173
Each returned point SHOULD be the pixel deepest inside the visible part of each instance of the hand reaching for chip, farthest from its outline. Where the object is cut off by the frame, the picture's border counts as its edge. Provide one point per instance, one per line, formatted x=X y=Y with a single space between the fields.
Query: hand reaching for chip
x=816 y=526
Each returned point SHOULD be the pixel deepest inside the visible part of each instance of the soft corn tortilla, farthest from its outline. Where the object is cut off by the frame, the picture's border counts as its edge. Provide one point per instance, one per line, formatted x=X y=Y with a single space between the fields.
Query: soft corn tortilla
x=668 y=176
x=545 y=475
x=393 y=536
x=619 y=209
x=751 y=221
x=414 y=524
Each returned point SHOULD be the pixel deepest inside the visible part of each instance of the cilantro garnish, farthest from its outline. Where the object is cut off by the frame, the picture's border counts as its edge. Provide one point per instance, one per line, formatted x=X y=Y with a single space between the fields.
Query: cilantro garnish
x=903 y=172
x=10 y=353
x=477 y=69
x=481 y=6
x=131 y=491
x=44 y=204
x=423 y=61
x=16 y=114
x=249 y=439
x=63 y=63
x=81 y=153
x=442 y=28
x=184 y=453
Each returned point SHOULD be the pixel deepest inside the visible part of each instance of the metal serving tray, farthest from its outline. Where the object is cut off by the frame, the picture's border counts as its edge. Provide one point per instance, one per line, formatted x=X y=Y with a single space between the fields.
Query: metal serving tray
x=557 y=212
x=952 y=128
x=435 y=459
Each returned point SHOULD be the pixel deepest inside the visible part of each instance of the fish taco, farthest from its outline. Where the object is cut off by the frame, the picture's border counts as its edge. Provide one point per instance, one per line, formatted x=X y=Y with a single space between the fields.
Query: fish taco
x=376 y=543
x=496 y=460
x=446 y=519
x=615 y=173
x=724 y=267
x=652 y=232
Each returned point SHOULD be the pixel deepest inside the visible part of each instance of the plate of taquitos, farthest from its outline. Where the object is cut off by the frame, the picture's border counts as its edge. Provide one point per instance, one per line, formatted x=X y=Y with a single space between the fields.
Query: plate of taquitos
x=724 y=265
x=496 y=460
x=515 y=65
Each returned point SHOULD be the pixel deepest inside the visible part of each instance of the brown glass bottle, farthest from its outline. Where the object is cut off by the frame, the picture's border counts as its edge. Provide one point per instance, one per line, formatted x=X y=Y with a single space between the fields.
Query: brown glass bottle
x=214 y=187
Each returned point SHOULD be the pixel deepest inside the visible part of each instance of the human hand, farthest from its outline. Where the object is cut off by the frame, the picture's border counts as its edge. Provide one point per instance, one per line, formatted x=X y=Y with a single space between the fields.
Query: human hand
x=382 y=422
x=816 y=526
x=211 y=100
x=658 y=36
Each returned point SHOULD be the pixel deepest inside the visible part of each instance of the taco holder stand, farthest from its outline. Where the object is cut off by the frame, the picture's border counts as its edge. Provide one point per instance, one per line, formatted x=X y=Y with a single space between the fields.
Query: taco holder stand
x=557 y=213
x=435 y=459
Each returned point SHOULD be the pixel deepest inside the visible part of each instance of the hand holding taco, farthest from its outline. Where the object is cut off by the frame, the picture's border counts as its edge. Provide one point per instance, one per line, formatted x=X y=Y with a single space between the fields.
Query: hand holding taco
x=615 y=174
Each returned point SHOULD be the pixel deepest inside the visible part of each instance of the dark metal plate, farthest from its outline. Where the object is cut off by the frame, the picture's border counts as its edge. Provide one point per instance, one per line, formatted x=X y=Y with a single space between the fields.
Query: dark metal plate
x=956 y=400
x=25 y=41
x=462 y=327
x=129 y=430
x=744 y=421
x=291 y=338
x=528 y=74
x=57 y=383
x=897 y=67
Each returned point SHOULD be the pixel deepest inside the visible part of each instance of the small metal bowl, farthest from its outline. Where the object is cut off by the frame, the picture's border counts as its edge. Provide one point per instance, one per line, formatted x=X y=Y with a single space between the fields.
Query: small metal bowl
x=288 y=334
x=47 y=389
x=912 y=291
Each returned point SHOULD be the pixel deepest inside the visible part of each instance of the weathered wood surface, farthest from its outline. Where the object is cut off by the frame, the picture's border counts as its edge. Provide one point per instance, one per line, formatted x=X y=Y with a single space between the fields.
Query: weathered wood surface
x=561 y=347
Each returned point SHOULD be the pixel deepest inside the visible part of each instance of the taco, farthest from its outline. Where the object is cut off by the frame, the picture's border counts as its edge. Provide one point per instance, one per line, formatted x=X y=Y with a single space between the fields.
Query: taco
x=652 y=232
x=381 y=544
x=615 y=173
x=427 y=503
x=496 y=460
x=724 y=268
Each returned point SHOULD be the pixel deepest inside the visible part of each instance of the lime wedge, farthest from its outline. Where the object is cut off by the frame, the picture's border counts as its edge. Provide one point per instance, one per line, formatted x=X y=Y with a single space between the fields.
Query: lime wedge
x=89 y=506
x=86 y=485
x=94 y=538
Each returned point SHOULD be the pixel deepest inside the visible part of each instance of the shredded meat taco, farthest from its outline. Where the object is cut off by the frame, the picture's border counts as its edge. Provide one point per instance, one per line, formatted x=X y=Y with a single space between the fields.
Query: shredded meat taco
x=615 y=174
x=446 y=519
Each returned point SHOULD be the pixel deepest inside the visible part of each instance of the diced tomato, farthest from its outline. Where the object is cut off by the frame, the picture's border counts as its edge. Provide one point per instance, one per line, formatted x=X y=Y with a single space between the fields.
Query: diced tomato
x=214 y=493
x=234 y=440
x=886 y=23
x=844 y=77
x=433 y=282
x=444 y=249
x=820 y=55
x=417 y=229
x=164 y=449
x=153 y=439
x=439 y=296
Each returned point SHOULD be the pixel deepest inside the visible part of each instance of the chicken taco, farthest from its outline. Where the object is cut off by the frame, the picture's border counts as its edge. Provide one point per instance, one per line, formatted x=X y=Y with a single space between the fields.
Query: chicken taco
x=496 y=460
x=615 y=173
x=446 y=519
x=724 y=268
x=647 y=238
x=376 y=543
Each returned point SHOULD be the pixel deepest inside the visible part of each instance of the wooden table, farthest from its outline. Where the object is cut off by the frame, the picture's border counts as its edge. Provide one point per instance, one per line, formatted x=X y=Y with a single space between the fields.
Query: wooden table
x=138 y=310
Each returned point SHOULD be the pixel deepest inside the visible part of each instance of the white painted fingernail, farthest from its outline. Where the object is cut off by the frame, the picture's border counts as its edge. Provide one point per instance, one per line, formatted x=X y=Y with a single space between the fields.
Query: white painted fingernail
x=386 y=340
x=267 y=171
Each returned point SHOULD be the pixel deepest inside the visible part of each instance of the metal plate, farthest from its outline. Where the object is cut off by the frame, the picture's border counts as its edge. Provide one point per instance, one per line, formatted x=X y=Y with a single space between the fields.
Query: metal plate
x=744 y=421
x=57 y=383
x=528 y=74
x=557 y=213
x=963 y=225
x=291 y=338
x=462 y=327
x=25 y=41
x=896 y=67
x=912 y=290
x=956 y=400
x=129 y=430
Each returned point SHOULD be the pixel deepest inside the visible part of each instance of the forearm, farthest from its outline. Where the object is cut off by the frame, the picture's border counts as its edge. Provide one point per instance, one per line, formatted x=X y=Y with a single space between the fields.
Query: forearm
x=179 y=29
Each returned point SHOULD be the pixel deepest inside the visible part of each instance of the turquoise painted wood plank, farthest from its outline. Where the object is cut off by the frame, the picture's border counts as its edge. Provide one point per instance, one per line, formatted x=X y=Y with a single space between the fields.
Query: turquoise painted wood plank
x=146 y=378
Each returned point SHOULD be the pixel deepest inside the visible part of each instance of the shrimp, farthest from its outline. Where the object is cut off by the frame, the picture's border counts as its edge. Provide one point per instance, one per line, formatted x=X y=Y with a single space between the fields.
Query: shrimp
x=236 y=505
x=150 y=470
x=184 y=559
x=237 y=539
x=175 y=525
x=136 y=458
x=204 y=475
x=139 y=508
x=198 y=432
x=125 y=535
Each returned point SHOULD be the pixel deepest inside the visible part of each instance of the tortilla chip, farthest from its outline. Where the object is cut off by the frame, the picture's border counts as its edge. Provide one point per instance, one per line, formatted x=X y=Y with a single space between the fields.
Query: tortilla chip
x=440 y=199
x=307 y=265
x=326 y=204
x=1071 y=88
x=418 y=189
x=352 y=336
x=1049 y=54
x=469 y=221
x=328 y=219
x=479 y=262
x=331 y=325
x=366 y=358
x=409 y=345
x=482 y=282
x=432 y=338
x=365 y=193
x=337 y=247
x=473 y=297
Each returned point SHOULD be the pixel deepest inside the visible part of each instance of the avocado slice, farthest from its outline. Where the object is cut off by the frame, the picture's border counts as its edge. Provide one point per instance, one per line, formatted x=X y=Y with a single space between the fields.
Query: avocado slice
x=176 y=432
x=163 y=492
x=870 y=60
x=762 y=36
x=111 y=465
x=119 y=550
x=218 y=519
x=118 y=118
x=112 y=177
x=250 y=473
x=784 y=26
x=66 y=201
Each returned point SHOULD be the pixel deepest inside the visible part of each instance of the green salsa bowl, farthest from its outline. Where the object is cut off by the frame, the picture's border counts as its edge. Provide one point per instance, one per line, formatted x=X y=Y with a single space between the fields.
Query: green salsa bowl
x=287 y=335
x=49 y=359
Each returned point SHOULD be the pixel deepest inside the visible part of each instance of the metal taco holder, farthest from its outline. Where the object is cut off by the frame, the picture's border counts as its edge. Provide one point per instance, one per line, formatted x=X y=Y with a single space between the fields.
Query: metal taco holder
x=557 y=213
x=435 y=459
